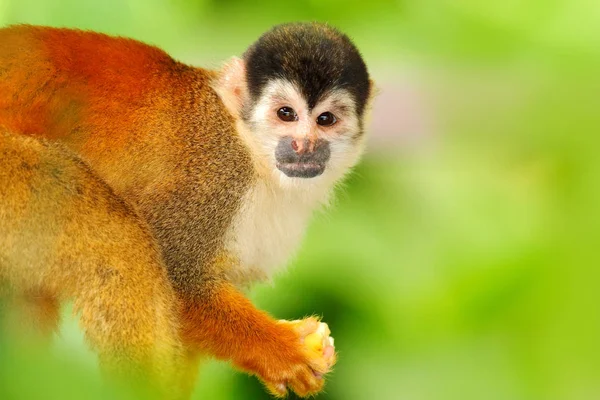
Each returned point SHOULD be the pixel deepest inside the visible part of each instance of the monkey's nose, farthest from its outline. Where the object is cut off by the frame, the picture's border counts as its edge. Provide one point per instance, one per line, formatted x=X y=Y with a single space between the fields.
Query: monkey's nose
x=298 y=147
x=302 y=150
x=302 y=158
x=305 y=145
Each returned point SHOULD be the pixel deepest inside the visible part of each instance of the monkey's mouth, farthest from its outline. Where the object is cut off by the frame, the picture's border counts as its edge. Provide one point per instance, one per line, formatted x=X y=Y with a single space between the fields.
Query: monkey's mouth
x=301 y=169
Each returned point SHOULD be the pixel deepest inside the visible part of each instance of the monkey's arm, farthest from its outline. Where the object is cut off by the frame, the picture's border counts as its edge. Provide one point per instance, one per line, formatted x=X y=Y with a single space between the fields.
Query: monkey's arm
x=227 y=325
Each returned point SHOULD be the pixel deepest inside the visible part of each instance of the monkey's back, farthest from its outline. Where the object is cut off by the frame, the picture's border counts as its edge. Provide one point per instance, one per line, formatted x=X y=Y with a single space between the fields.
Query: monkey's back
x=99 y=94
x=150 y=127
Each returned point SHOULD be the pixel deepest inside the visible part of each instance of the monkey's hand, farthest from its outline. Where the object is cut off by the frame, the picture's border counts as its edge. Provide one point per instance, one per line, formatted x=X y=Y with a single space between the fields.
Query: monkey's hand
x=318 y=353
x=283 y=354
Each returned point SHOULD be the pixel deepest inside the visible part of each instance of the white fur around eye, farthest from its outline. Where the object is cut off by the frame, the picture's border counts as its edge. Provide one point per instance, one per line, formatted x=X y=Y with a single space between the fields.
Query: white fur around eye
x=265 y=130
x=342 y=106
x=279 y=93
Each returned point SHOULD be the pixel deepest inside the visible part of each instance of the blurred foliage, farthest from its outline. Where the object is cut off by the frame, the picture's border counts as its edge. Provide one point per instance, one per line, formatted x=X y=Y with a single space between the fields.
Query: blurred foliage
x=461 y=264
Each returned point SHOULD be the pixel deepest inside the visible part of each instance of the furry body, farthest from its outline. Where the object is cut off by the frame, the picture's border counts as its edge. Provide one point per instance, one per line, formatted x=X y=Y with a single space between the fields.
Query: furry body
x=160 y=136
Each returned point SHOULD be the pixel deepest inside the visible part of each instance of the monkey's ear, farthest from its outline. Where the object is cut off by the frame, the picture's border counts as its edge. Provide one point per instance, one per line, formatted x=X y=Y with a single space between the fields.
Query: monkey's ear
x=231 y=85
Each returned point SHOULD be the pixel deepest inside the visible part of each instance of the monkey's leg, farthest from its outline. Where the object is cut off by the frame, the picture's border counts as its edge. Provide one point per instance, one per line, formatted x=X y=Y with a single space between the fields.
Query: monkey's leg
x=45 y=312
x=126 y=306
x=34 y=312
x=227 y=325
x=110 y=266
x=64 y=230
x=127 y=319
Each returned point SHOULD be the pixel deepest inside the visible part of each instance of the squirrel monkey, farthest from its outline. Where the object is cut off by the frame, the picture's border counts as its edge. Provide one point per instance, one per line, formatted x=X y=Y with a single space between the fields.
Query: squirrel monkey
x=225 y=167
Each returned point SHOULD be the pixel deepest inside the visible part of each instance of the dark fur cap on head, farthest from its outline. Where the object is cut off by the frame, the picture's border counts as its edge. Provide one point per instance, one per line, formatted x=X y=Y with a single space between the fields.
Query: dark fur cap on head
x=316 y=57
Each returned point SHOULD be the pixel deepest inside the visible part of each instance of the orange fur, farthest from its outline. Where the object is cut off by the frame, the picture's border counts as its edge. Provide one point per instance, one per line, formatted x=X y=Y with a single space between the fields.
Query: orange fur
x=64 y=235
x=228 y=326
x=156 y=133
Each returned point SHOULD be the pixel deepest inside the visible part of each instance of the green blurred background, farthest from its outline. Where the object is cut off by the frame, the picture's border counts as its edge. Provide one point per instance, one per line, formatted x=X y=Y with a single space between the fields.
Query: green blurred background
x=460 y=259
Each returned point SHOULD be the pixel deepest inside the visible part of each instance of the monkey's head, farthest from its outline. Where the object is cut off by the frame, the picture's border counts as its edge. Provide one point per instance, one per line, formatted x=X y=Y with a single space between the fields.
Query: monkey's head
x=300 y=94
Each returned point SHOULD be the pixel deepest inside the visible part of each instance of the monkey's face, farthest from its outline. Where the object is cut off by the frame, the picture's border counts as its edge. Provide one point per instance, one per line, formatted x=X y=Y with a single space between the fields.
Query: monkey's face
x=320 y=142
x=301 y=92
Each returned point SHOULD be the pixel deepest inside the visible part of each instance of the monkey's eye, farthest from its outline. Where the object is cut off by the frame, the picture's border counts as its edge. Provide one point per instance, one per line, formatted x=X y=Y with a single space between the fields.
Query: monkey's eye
x=287 y=114
x=326 y=119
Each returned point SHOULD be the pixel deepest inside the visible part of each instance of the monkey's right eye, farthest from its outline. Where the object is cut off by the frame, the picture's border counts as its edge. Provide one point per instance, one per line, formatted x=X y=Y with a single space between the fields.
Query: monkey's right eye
x=287 y=114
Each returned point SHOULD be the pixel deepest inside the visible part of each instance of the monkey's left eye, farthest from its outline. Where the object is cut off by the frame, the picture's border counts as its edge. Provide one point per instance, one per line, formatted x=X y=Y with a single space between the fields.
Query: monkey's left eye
x=326 y=119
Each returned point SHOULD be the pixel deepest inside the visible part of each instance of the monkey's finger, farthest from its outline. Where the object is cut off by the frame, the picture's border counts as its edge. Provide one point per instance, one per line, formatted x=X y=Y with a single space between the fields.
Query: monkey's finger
x=277 y=389
x=306 y=383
